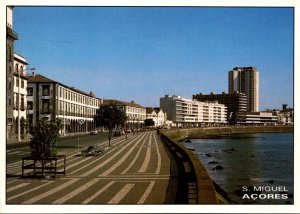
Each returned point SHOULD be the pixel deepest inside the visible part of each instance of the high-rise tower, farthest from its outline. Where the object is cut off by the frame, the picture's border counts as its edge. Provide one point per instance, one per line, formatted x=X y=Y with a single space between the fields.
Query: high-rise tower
x=245 y=80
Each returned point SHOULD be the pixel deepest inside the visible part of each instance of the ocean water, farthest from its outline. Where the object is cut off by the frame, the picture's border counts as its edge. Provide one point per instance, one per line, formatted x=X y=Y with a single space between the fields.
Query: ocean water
x=251 y=169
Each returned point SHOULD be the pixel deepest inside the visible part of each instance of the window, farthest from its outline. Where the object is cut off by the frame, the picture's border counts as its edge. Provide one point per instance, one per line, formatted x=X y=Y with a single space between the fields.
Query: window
x=16 y=67
x=46 y=90
x=22 y=103
x=29 y=91
x=9 y=102
x=22 y=83
x=17 y=82
x=29 y=105
x=45 y=106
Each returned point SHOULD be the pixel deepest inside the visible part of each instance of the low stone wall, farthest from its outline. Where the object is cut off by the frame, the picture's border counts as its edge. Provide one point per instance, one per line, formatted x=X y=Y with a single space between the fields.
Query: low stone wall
x=206 y=192
x=208 y=132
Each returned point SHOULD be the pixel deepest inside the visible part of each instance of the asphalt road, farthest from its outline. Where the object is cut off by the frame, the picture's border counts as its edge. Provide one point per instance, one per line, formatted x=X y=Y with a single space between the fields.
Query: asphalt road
x=138 y=170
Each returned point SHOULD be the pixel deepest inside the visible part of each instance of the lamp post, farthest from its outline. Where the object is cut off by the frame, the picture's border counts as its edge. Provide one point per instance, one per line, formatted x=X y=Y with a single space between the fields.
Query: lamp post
x=19 y=95
x=86 y=114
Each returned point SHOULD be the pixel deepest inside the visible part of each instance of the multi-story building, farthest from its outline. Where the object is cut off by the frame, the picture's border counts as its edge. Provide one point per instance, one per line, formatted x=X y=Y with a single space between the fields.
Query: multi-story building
x=255 y=118
x=235 y=102
x=245 y=80
x=186 y=112
x=48 y=99
x=135 y=113
x=285 y=116
x=11 y=36
x=20 y=95
x=157 y=115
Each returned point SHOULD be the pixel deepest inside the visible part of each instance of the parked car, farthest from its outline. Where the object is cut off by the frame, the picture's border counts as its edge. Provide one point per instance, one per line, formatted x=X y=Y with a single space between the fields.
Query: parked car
x=94 y=132
x=119 y=132
x=92 y=150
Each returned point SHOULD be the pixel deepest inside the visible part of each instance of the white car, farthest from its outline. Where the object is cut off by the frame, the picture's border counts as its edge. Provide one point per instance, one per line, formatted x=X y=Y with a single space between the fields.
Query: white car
x=94 y=132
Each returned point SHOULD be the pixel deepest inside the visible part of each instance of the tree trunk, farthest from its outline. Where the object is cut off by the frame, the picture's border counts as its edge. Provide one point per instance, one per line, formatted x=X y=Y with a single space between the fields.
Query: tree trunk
x=126 y=131
x=109 y=137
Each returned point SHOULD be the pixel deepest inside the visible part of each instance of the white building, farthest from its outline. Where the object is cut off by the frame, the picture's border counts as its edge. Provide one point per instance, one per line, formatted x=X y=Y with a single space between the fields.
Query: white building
x=20 y=94
x=255 y=118
x=186 y=112
x=135 y=113
x=48 y=99
x=157 y=115
x=285 y=116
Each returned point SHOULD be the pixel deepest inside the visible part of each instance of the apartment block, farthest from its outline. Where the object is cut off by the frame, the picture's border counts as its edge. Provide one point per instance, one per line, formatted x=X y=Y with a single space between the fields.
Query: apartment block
x=186 y=112
x=235 y=102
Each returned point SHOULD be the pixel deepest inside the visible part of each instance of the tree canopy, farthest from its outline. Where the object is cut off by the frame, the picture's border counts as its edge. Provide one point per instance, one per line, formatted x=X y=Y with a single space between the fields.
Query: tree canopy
x=110 y=116
x=149 y=122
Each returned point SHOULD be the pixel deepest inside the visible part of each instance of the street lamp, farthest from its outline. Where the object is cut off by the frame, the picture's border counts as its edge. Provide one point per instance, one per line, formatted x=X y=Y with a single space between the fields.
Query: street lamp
x=19 y=95
x=86 y=114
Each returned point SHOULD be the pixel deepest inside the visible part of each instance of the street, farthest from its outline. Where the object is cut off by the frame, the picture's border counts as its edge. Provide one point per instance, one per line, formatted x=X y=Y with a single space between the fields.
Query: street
x=137 y=170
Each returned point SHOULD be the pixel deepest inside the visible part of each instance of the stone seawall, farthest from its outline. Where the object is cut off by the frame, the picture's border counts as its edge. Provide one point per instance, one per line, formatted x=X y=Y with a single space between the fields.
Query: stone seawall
x=213 y=132
x=206 y=193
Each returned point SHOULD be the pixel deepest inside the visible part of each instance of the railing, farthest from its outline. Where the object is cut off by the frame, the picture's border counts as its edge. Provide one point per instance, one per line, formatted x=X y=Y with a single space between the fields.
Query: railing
x=204 y=186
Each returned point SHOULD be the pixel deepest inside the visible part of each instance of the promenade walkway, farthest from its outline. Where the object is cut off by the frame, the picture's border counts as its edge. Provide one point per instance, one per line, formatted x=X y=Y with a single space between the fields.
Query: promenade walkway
x=138 y=170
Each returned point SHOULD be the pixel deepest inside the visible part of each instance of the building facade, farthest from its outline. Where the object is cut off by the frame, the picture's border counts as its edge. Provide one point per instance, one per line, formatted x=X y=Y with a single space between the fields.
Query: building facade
x=157 y=115
x=20 y=96
x=245 y=80
x=11 y=36
x=255 y=118
x=186 y=112
x=235 y=102
x=135 y=113
x=285 y=116
x=48 y=99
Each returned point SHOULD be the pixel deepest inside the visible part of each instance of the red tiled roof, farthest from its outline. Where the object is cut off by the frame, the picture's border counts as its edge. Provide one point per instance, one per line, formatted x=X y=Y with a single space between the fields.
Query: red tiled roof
x=149 y=110
x=121 y=103
x=40 y=78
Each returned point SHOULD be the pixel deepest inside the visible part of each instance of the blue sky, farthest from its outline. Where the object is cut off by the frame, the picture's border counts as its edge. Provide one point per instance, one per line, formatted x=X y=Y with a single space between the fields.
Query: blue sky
x=143 y=53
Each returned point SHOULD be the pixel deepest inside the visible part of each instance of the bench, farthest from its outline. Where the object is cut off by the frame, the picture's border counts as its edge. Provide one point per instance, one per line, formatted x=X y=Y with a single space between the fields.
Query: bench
x=93 y=150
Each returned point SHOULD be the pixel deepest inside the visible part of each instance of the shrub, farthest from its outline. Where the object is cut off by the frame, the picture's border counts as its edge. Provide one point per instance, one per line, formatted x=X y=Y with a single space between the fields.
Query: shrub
x=44 y=138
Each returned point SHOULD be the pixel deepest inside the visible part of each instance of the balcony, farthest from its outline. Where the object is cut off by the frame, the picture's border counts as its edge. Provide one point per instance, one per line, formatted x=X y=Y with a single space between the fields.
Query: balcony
x=11 y=33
